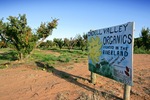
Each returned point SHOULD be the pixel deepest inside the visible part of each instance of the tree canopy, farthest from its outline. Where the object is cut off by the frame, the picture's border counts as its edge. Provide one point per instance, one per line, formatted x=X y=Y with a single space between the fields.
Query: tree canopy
x=144 y=40
x=17 y=33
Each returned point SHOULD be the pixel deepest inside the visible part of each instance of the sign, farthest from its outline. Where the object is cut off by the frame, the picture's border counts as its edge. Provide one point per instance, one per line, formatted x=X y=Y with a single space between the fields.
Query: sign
x=111 y=52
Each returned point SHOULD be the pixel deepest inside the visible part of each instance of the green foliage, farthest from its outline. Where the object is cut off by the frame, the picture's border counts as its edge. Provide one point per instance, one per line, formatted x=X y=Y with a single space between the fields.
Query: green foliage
x=65 y=56
x=43 y=45
x=6 y=56
x=46 y=45
x=82 y=41
x=66 y=43
x=59 y=42
x=142 y=44
x=3 y=66
x=70 y=43
x=49 y=44
x=2 y=30
x=9 y=55
x=44 y=57
x=3 y=44
x=19 y=35
x=2 y=35
x=46 y=29
x=52 y=58
x=138 y=42
x=78 y=43
x=140 y=50
x=146 y=38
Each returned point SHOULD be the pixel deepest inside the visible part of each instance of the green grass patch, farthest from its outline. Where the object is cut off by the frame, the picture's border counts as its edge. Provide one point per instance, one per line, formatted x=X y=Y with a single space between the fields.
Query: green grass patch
x=66 y=56
x=44 y=57
x=5 y=49
x=7 y=55
x=3 y=66
x=141 y=51
x=11 y=55
x=50 y=58
x=74 y=52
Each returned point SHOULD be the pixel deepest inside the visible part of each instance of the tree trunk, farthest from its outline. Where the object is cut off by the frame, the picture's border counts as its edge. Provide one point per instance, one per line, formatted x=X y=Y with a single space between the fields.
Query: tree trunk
x=93 y=77
x=20 y=56
x=35 y=47
x=39 y=42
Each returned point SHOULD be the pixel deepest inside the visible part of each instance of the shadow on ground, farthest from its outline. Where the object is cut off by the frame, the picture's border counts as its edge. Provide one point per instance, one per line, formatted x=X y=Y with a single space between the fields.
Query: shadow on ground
x=73 y=79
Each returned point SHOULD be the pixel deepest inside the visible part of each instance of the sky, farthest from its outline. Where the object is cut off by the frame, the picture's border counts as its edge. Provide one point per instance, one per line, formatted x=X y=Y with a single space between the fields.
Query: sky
x=79 y=16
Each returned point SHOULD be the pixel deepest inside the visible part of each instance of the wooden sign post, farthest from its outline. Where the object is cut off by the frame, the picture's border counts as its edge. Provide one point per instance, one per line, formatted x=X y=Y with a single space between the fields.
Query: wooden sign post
x=93 y=77
x=127 y=89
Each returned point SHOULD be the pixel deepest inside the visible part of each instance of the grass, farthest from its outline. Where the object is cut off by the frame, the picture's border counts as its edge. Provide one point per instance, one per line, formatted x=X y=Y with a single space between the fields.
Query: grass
x=7 y=55
x=141 y=51
x=66 y=56
x=3 y=66
x=11 y=55
x=74 y=52
x=51 y=58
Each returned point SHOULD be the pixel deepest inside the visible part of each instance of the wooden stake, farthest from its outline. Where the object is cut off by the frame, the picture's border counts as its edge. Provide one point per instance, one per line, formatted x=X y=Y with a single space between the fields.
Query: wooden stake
x=93 y=77
x=127 y=89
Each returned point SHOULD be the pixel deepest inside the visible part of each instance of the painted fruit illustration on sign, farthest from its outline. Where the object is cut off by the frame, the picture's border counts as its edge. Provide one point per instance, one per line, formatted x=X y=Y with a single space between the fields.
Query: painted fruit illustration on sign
x=94 y=46
x=97 y=65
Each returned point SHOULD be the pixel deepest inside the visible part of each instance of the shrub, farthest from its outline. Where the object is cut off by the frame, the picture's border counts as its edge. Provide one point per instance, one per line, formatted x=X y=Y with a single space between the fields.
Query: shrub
x=141 y=50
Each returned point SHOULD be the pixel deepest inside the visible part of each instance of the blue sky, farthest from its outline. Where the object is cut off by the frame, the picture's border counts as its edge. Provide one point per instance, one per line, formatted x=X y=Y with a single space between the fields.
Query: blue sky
x=79 y=16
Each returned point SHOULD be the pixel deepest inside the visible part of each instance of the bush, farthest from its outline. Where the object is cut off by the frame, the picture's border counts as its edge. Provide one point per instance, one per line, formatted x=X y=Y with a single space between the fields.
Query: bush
x=64 y=58
x=141 y=50
x=45 y=58
x=10 y=55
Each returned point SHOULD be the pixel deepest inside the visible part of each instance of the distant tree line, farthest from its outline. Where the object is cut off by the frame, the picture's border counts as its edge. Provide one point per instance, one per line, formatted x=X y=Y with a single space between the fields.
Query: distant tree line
x=77 y=42
x=16 y=34
x=143 y=42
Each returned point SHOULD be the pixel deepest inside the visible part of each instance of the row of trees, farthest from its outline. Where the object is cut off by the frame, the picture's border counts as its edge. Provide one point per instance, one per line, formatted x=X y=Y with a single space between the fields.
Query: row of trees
x=17 y=34
x=144 y=40
x=79 y=42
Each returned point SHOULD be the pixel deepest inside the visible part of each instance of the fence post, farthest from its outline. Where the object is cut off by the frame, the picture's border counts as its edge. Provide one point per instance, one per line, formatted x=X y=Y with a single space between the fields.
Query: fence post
x=93 y=77
x=127 y=89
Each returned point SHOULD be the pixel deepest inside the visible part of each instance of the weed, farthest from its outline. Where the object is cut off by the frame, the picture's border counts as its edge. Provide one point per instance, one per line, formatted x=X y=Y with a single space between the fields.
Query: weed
x=67 y=59
x=82 y=56
x=45 y=58
x=3 y=66
x=76 y=60
x=141 y=51
x=11 y=56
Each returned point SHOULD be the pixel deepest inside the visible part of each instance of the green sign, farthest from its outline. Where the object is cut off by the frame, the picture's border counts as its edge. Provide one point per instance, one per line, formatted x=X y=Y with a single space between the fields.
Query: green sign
x=111 y=52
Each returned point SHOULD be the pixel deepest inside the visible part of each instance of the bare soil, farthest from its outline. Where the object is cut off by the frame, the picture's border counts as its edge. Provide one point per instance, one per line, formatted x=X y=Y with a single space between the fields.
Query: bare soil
x=70 y=82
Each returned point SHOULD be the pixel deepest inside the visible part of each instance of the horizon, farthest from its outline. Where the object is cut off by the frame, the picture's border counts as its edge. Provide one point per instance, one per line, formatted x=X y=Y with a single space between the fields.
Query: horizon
x=79 y=16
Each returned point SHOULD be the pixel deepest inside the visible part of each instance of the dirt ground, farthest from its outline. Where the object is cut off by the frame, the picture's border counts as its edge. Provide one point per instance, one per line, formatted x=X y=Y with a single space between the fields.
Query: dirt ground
x=71 y=82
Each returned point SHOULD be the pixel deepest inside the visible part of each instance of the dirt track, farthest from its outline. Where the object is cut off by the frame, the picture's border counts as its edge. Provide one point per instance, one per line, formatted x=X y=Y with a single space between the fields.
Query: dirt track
x=70 y=83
